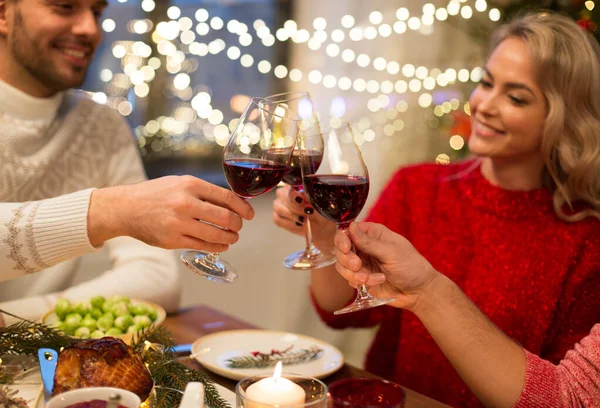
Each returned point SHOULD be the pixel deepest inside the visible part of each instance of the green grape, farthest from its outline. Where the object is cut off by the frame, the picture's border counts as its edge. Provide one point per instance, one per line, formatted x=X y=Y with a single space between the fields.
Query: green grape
x=72 y=322
x=62 y=308
x=120 y=309
x=134 y=328
x=63 y=328
x=97 y=301
x=89 y=322
x=113 y=331
x=83 y=332
x=119 y=299
x=107 y=306
x=97 y=334
x=123 y=322
x=81 y=308
x=96 y=313
x=138 y=309
x=106 y=321
x=143 y=321
x=152 y=313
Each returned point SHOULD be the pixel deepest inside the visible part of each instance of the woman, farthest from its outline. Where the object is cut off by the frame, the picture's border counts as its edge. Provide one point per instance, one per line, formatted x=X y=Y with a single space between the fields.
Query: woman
x=529 y=205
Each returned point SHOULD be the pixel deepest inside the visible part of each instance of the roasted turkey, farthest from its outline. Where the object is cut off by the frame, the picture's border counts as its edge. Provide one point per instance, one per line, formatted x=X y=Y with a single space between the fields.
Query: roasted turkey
x=105 y=362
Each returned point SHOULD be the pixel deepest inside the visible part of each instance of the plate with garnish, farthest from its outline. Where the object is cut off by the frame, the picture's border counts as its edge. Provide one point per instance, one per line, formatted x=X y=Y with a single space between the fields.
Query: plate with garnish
x=237 y=354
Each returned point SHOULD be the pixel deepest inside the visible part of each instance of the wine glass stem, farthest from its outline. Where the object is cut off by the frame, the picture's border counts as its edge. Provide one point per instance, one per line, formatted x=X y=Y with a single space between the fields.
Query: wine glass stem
x=308 y=236
x=362 y=291
x=212 y=257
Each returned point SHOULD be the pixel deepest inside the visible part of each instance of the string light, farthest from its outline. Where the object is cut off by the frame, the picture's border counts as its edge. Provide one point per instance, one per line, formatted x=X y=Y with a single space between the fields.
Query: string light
x=196 y=113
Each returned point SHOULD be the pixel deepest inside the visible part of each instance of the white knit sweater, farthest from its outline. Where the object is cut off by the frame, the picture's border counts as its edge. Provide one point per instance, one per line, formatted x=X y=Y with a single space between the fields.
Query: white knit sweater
x=53 y=153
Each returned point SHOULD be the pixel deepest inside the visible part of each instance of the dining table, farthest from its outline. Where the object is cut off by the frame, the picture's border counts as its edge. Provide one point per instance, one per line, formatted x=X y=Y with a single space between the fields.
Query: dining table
x=191 y=323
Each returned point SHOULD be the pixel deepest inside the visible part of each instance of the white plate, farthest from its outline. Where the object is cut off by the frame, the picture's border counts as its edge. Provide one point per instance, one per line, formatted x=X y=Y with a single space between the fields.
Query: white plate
x=227 y=395
x=213 y=351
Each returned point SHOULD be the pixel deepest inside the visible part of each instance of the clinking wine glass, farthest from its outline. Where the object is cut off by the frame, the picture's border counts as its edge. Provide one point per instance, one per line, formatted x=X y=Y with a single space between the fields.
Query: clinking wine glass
x=301 y=104
x=255 y=160
x=338 y=188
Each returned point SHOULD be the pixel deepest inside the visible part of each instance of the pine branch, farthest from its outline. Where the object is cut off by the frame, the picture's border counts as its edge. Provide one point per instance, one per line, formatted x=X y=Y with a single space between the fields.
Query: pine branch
x=287 y=357
x=153 y=344
x=26 y=337
x=169 y=374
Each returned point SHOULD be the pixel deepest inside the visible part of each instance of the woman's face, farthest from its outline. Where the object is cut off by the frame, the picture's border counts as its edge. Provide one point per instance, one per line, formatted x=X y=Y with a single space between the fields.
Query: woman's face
x=508 y=108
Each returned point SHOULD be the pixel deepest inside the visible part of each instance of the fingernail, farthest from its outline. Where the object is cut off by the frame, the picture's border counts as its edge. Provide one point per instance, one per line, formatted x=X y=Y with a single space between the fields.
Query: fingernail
x=298 y=200
x=308 y=210
x=301 y=218
x=298 y=224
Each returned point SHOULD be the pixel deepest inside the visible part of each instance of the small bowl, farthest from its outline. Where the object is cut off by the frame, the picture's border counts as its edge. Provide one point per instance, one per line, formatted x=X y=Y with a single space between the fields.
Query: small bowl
x=50 y=319
x=128 y=398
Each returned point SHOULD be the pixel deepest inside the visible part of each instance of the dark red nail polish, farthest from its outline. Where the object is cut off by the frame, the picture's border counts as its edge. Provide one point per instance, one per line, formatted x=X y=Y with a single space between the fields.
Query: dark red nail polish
x=298 y=224
x=308 y=210
x=298 y=200
x=301 y=218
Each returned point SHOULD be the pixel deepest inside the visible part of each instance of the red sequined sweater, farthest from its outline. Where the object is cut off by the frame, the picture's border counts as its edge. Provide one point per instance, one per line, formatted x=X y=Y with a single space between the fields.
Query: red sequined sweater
x=535 y=276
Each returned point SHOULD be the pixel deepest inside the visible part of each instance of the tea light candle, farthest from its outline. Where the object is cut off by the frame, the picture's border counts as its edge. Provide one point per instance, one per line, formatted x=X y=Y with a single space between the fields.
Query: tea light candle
x=276 y=390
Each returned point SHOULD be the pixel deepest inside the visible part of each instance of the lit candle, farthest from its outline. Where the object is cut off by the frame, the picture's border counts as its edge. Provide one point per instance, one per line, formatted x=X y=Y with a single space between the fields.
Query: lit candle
x=276 y=390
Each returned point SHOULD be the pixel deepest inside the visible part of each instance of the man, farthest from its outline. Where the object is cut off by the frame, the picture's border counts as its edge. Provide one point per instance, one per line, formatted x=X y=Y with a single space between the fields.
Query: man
x=498 y=371
x=68 y=174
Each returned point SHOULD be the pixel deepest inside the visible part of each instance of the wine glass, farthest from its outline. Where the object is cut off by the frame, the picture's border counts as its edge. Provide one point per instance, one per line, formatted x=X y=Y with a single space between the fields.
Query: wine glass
x=338 y=188
x=301 y=104
x=255 y=160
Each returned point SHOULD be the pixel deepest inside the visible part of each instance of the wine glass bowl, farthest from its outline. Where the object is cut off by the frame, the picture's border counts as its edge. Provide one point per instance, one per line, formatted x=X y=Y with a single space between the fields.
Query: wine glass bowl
x=338 y=188
x=301 y=104
x=255 y=160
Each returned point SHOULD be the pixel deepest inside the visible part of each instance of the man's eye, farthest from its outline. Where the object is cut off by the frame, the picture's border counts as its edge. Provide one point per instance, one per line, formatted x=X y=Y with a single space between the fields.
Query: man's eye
x=64 y=7
x=485 y=84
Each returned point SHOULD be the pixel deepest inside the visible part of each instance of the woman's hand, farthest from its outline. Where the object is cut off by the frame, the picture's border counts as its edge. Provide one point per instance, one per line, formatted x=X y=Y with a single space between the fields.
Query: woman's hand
x=291 y=210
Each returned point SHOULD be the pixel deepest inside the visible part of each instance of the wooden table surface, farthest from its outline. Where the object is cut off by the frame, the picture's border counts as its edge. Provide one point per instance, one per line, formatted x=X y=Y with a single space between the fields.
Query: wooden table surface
x=194 y=322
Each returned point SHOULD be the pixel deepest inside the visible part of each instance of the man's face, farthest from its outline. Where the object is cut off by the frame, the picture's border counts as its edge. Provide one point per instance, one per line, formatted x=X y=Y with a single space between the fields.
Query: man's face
x=53 y=40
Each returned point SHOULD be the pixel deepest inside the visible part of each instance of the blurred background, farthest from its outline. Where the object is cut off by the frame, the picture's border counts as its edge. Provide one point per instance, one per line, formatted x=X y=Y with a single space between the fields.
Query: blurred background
x=182 y=71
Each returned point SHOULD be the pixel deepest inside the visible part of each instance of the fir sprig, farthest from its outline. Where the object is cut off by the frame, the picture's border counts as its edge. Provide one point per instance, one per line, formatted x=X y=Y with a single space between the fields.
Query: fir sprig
x=26 y=337
x=287 y=357
x=153 y=344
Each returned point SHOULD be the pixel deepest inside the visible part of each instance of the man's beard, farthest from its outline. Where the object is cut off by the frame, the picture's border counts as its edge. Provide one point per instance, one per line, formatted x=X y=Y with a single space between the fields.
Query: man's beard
x=37 y=61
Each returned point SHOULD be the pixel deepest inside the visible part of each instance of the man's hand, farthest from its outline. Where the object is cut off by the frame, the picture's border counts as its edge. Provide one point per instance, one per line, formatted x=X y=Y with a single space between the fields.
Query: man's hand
x=386 y=262
x=170 y=212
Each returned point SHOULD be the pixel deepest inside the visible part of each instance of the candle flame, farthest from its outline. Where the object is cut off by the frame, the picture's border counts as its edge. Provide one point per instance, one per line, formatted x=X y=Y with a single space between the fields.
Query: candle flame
x=278 y=369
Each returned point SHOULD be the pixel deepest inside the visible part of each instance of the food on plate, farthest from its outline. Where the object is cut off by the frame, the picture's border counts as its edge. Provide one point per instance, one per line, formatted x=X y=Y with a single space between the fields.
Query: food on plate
x=105 y=362
x=92 y=404
x=101 y=317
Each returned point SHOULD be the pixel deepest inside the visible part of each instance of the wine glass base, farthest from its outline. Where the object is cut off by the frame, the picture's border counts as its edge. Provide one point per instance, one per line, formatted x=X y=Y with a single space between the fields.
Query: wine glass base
x=304 y=260
x=362 y=304
x=214 y=270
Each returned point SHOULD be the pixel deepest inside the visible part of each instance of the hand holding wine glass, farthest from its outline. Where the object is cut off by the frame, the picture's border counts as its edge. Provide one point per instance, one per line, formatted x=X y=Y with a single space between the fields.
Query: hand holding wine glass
x=255 y=160
x=338 y=190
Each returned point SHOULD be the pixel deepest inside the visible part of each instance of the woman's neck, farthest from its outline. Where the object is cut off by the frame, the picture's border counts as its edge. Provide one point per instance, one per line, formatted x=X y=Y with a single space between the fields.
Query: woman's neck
x=514 y=174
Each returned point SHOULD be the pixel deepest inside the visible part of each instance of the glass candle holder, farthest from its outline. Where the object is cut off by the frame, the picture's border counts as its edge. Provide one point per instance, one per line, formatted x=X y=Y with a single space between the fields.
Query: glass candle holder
x=365 y=393
x=288 y=391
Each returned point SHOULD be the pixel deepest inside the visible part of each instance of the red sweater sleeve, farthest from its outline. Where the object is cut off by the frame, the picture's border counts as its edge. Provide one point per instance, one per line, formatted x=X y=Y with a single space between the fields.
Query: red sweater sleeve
x=575 y=382
x=390 y=209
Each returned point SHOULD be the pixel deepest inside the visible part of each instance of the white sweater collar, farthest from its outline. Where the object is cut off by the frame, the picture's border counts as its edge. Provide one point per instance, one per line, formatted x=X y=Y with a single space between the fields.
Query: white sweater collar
x=18 y=104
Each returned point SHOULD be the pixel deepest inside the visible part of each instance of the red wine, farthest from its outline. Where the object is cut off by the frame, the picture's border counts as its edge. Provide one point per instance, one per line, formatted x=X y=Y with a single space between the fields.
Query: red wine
x=339 y=198
x=294 y=175
x=252 y=177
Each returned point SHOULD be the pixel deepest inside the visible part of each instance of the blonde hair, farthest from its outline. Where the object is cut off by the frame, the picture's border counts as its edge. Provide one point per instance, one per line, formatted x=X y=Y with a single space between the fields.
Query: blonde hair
x=567 y=61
